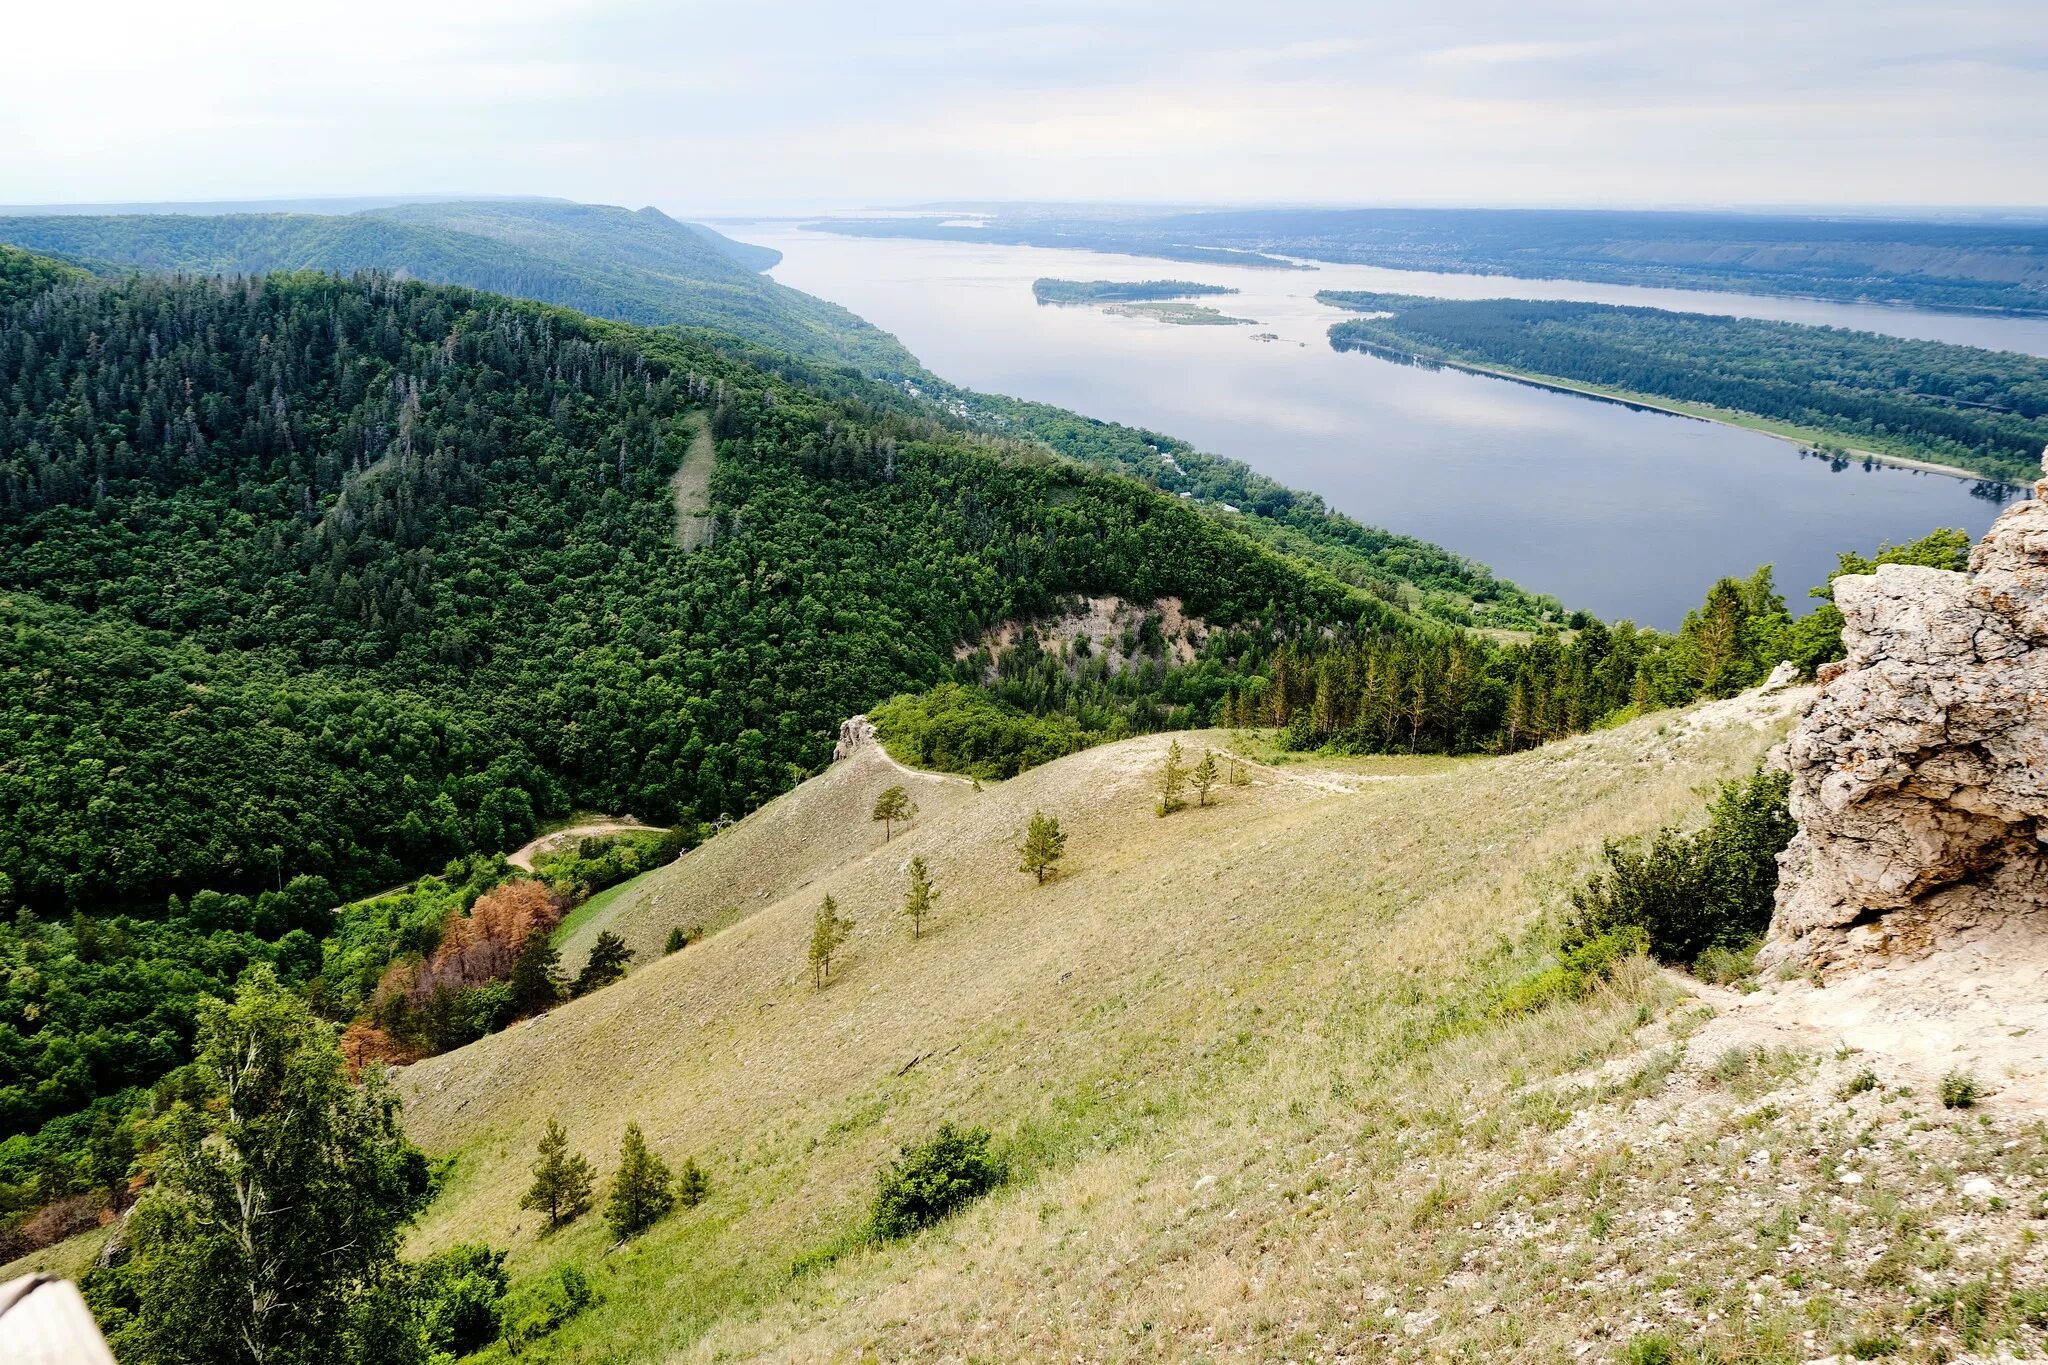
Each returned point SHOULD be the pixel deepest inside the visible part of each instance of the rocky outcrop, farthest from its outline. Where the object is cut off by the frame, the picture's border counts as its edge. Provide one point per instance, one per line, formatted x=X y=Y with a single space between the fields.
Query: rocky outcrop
x=854 y=732
x=1920 y=771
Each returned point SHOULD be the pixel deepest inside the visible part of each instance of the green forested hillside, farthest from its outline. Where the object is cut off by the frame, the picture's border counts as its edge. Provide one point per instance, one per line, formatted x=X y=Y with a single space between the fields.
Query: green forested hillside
x=644 y=267
x=433 y=492
x=22 y=274
x=639 y=267
x=1986 y=411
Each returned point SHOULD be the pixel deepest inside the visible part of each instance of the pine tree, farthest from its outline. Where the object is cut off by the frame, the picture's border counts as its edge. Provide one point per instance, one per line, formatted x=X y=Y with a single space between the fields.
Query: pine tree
x=891 y=806
x=677 y=940
x=693 y=1187
x=828 y=931
x=641 y=1191
x=1044 y=844
x=607 y=963
x=536 y=982
x=1172 y=778
x=922 y=899
x=1205 y=777
x=562 y=1179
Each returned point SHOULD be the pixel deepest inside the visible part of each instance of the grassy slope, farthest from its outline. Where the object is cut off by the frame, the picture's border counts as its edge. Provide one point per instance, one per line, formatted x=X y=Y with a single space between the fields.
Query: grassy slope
x=772 y=854
x=1243 y=1057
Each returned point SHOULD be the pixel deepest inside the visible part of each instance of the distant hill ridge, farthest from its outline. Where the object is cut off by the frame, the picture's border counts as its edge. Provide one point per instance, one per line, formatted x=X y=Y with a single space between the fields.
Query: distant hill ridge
x=641 y=267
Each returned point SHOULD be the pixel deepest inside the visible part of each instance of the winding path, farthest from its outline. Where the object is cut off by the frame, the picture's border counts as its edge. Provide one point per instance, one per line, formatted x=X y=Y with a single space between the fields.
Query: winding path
x=523 y=859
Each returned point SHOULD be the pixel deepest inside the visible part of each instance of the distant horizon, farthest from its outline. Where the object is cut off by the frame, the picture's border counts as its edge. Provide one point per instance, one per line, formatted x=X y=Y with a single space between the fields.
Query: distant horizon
x=352 y=203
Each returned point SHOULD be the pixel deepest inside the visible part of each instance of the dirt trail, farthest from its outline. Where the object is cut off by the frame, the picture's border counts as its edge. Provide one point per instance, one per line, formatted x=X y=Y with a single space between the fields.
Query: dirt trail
x=547 y=843
x=692 y=487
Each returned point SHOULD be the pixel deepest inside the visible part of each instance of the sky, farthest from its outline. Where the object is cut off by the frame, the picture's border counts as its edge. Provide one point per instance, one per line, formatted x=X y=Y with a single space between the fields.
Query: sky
x=764 y=106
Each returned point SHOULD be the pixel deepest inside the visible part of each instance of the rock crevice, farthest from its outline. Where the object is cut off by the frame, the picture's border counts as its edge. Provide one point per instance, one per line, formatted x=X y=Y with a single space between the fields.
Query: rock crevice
x=1920 y=771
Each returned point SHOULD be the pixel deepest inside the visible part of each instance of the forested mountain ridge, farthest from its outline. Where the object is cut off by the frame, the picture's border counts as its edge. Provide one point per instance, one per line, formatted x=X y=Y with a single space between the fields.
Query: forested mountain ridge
x=641 y=267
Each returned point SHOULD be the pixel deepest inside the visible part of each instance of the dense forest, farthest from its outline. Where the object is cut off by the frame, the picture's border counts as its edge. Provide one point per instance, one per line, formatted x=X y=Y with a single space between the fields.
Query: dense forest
x=1050 y=290
x=1995 y=267
x=1986 y=411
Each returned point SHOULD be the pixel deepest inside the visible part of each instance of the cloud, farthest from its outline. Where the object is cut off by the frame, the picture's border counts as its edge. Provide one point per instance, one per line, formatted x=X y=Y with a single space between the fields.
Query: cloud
x=700 y=107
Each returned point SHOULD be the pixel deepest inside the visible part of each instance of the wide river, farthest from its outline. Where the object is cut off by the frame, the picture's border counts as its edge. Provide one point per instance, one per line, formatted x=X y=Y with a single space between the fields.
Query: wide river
x=1626 y=513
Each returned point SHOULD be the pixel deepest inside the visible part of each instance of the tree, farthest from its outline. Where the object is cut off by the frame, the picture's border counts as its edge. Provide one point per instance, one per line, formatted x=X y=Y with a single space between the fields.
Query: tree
x=1172 y=778
x=562 y=1179
x=828 y=931
x=536 y=978
x=891 y=806
x=607 y=963
x=1205 y=777
x=1044 y=845
x=922 y=899
x=274 y=1224
x=640 y=1191
x=677 y=941
x=693 y=1187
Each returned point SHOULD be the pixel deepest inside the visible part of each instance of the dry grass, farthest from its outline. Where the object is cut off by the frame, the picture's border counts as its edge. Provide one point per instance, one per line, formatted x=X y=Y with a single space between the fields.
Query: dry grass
x=1260 y=1105
x=773 y=853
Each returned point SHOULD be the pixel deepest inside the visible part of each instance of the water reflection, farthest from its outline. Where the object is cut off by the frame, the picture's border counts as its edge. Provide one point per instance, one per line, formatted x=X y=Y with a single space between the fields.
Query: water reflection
x=1619 y=510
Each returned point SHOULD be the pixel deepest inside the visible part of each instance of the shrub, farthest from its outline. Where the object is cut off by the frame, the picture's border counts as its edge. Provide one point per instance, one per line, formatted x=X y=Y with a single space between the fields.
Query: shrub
x=541 y=1307
x=1692 y=893
x=1723 y=966
x=461 y=1293
x=1651 y=1348
x=951 y=1168
x=959 y=729
x=677 y=940
x=1959 y=1090
x=1583 y=962
x=1862 y=1083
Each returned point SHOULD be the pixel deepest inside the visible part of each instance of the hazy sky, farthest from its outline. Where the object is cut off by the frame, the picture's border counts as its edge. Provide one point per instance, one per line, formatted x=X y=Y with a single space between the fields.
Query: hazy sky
x=755 y=104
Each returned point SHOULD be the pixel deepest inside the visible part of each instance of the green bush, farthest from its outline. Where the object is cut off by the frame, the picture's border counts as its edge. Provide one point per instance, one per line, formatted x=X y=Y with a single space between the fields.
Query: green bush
x=1651 y=1348
x=958 y=729
x=460 y=1297
x=1693 y=893
x=951 y=1168
x=1959 y=1090
x=541 y=1307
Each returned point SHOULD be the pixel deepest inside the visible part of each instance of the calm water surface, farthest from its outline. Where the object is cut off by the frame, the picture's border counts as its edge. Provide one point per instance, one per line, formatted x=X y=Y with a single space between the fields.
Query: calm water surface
x=1622 y=512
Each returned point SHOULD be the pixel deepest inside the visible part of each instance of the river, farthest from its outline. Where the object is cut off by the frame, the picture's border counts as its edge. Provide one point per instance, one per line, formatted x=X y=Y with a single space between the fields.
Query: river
x=1623 y=512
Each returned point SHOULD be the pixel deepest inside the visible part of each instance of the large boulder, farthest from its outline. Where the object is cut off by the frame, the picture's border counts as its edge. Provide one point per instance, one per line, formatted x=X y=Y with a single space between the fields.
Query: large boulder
x=1920 y=771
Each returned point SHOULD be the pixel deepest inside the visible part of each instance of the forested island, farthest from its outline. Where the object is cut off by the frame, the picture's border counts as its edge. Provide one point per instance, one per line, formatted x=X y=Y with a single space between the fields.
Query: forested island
x=1981 y=411
x=1047 y=290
